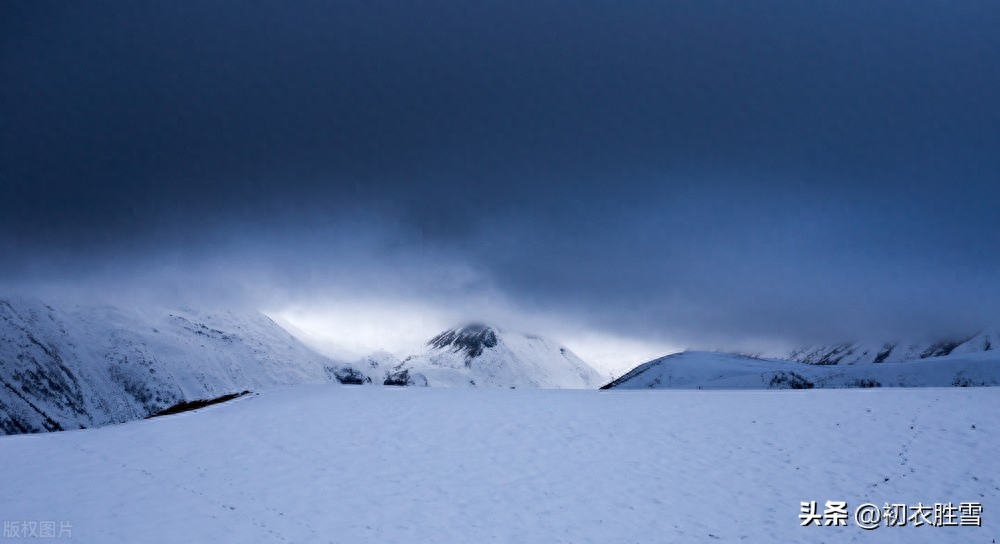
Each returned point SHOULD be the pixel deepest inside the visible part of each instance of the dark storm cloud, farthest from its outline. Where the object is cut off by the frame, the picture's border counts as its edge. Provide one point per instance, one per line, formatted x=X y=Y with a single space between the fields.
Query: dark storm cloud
x=700 y=171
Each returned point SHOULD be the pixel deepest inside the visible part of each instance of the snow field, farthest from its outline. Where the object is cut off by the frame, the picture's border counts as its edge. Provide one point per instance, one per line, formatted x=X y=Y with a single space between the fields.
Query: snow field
x=378 y=464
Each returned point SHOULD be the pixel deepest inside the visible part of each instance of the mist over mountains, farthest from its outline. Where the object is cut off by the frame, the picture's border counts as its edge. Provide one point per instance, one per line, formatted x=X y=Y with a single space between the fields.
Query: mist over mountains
x=75 y=366
x=69 y=366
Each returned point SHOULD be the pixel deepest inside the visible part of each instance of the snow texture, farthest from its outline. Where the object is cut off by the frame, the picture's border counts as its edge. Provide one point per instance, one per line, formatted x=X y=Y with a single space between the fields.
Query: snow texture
x=388 y=465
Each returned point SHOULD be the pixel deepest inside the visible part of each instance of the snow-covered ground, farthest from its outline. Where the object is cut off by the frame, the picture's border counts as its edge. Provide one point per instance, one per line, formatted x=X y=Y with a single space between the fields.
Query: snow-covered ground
x=339 y=464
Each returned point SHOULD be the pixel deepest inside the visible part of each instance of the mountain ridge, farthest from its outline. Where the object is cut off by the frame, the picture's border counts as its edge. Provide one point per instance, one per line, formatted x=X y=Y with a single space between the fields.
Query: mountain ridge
x=719 y=370
x=850 y=353
x=77 y=366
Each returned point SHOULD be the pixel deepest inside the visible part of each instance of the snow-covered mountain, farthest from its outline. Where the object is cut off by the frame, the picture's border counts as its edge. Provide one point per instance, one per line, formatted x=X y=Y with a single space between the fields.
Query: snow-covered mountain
x=714 y=370
x=376 y=366
x=896 y=351
x=478 y=355
x=82 y=366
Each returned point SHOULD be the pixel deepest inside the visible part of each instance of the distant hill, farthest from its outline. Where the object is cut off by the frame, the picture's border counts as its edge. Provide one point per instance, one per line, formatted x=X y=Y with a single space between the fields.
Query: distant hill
x=712 y=370
x=895 y=351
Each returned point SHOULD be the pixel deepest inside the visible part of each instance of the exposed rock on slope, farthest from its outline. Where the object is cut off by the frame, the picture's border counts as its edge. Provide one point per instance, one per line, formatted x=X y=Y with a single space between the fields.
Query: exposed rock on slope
x=478 y=355
x=891 y=352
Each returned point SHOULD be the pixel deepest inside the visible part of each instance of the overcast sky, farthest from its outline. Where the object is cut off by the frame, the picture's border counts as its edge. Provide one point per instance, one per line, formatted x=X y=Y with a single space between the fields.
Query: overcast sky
x=628 y=177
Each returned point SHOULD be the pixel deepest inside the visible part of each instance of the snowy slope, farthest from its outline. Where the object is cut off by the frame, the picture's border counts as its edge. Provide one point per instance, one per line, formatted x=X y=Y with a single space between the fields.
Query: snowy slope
x=515 y=466
x=377 y=365
x=82 y=366
x=712 y=370
x=891 y=352
x=483 y=356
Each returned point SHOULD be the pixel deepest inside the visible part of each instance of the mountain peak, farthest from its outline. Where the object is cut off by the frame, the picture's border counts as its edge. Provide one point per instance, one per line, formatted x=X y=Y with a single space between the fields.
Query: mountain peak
x=470 y=339
x=480 y=355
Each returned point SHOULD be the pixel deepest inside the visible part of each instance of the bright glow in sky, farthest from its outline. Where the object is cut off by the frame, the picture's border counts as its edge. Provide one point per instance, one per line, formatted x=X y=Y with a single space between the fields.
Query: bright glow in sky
x=615 y=176
x=353 y=328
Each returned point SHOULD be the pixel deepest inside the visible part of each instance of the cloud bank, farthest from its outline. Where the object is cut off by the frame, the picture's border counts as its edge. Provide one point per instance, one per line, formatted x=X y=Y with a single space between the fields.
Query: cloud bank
x=704 y=175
